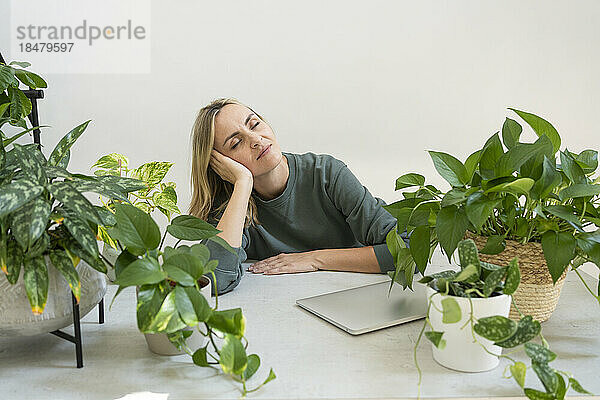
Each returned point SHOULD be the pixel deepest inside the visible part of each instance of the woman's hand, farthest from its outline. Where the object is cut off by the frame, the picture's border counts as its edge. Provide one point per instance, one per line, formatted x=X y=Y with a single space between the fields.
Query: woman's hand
x=229 y=169
x=284 y=263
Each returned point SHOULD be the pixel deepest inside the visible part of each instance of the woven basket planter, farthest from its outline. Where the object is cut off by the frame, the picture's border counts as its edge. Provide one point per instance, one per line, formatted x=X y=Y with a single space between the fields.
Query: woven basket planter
x=537 y=295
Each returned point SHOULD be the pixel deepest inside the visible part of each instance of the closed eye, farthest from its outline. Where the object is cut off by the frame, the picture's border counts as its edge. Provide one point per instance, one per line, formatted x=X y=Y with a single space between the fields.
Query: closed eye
x=238 y=142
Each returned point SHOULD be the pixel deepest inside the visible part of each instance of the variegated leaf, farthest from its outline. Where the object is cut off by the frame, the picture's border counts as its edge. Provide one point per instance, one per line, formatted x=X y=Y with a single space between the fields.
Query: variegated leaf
x=82 y=233
x=29 y=163
x=29 y=222
x=94 y=261
x=62 y=262
x=64 y=161
x=124 y=184
x=2 y=153
x=63 y=146
x=17 y=193
x=39 y=247
x=73 y=200
x=56 y=172
x=111 y=161
x=36 y=283
x=14 y=260
x=111 y=191
x=106 y=216
x=153 y=172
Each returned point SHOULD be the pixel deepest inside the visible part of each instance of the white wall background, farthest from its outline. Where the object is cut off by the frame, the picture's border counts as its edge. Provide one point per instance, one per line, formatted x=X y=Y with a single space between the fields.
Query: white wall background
x=374 y=83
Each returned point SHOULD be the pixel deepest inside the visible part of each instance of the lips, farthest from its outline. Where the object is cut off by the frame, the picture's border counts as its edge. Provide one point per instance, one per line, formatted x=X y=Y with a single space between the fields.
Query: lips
x=264 y=151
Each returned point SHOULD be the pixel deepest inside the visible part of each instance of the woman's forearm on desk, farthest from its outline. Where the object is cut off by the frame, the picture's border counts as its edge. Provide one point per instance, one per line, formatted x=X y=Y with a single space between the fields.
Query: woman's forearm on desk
x=359 y=259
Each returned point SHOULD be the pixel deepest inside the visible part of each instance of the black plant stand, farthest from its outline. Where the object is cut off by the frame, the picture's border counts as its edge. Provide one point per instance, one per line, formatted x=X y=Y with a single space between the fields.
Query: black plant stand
x=33 y=95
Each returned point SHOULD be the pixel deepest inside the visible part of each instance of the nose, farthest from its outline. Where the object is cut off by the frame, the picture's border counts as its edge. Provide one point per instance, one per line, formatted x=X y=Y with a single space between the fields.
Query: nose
x=256 y=140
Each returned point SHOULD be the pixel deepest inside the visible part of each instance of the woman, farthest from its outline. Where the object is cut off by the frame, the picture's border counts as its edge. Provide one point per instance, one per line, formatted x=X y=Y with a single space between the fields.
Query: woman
x=314 y=213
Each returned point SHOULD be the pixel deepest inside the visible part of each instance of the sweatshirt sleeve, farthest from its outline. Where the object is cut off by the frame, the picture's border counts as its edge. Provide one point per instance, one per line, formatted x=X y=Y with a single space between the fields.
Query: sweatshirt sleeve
x=229 y=270
x=365 y=214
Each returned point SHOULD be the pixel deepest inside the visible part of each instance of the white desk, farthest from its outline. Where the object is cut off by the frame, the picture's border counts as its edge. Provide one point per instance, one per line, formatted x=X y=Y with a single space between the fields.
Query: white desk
x=312 y=358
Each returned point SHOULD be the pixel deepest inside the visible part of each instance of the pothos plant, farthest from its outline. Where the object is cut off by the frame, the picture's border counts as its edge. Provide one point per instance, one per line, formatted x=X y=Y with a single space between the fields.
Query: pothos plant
x=169 y=298
x=157 y=195
x=478 y=279
x=527 y=192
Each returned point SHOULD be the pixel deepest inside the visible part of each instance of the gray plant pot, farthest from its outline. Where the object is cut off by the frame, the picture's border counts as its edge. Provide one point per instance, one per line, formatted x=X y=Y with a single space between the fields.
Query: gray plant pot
x=16 y=318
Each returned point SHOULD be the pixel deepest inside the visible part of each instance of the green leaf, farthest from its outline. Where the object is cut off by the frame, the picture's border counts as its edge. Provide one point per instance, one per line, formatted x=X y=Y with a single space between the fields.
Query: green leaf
x=479 y=208
x=30 y=79
x=587 y=160
x=233 y=359
x=22 y=64
x=451 y=225
x=467 y=273
x=140 y=272
x=579 y=190
x=537 y=395
x=513 y=277
x=135 y=229
x=112 y=192
x=513 y=159
x=495 y=328
x=453 y=196
x=547 y=375
x=93 y=260
x=62 y=262
x=178 y=275
x=527 y=329
x=511 y=132
x=467 y=253
x=7 y=78
x=199 y=357
x=123 y=261
x=492 y=151
x=495 y=244
x=518 y=370
x=562 y=388
x=538 y=353
x=577 y=387
x=571 y=169
x=188 y=227
x=409 y=180
x=541 y=127
x=200 y=304
x=189 y=263
x=493 y=280
x=152 y=173
x=435 y=338
x=518 y=186
x=270 y=377
x=559 y=250
x=63 y=146
x=565 y=212
x=149 y=301
x=450 y=168
x=228 y=321
x=253 y=365
x=185 y=307
x=16 y=194
x=167 y=318
x=450 y=311
x=36 y=283
x=419 y=246
x=20 y=105
x=29 y=222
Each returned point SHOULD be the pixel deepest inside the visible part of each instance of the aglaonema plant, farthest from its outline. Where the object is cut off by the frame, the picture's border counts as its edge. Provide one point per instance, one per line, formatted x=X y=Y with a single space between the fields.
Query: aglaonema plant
x=527 y=192
x=43 y=212
x=478 y=279
x=169 y=298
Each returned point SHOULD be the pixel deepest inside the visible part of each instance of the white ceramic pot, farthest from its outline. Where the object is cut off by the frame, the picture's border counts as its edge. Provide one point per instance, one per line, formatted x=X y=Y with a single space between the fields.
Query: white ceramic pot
x=16 y=318
x=111 y=255
x=159 y=343
x=461 y=353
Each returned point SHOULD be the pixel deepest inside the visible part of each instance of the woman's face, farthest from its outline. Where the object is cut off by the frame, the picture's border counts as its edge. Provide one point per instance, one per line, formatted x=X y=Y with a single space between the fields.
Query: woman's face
x=242 y=135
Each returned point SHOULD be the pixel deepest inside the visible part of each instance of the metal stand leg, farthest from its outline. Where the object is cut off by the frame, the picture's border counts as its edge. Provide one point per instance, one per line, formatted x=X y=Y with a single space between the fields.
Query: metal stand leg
x=101 y=311
x=74 y=339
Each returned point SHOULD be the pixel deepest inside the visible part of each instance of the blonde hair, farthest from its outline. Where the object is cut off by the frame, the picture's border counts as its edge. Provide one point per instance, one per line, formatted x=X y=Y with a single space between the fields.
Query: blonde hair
x=207 y=185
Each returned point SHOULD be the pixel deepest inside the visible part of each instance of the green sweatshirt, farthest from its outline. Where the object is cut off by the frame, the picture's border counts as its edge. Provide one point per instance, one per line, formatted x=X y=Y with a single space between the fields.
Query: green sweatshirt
x=323 y=206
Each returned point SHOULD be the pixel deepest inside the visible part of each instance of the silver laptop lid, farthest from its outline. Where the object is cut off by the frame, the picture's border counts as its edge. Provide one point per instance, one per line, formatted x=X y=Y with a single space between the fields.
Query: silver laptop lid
x=368 y=308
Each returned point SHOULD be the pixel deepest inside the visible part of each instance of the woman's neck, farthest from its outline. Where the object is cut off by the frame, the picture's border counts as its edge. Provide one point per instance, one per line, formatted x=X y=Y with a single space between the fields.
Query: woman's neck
x=273 y=183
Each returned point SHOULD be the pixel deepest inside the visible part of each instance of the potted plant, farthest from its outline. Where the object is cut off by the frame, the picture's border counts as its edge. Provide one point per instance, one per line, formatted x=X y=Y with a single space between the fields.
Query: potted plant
x=513 y=199
x=170 y=299
x=47 y=226
x=157 y=195
x=479 y=296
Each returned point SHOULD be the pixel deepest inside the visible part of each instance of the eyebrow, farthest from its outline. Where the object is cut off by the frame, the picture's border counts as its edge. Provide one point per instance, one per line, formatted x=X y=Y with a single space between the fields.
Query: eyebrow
x=236 y=132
